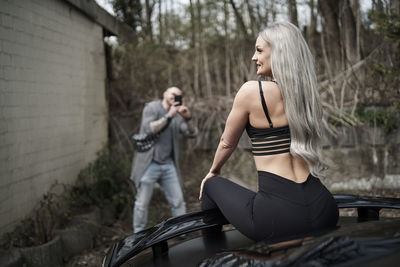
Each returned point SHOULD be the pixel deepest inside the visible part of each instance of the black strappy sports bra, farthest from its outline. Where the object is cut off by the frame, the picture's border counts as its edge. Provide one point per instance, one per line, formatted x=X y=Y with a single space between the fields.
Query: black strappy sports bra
x=268 y=141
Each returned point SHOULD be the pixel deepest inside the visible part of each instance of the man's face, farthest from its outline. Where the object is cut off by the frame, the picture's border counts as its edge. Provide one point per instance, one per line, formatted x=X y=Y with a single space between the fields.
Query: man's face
x=170 y=93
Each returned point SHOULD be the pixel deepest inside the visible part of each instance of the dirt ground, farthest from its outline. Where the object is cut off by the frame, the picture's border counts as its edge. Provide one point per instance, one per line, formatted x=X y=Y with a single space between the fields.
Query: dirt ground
x=159 y=210
x=107 y=236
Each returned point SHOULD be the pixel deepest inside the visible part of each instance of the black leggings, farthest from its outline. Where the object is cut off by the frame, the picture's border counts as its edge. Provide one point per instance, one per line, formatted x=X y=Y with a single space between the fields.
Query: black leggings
x=280 y=208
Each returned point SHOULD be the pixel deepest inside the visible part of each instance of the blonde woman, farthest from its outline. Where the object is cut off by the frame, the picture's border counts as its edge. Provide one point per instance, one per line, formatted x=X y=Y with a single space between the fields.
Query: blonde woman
x=283 y=120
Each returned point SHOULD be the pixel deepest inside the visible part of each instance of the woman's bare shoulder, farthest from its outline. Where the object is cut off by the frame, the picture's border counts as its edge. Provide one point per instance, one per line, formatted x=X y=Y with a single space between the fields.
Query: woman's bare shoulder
x=245 y=95
x=272 y=91
x=270 y=87
x=250 y=86
x=247 y=89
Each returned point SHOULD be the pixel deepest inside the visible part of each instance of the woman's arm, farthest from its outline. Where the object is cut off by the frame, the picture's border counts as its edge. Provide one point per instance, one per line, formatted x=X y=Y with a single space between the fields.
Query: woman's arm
x=234 y=127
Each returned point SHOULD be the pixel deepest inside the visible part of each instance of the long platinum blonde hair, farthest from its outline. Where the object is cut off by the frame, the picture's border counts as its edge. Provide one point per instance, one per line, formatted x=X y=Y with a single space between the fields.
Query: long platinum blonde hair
x=292 y=67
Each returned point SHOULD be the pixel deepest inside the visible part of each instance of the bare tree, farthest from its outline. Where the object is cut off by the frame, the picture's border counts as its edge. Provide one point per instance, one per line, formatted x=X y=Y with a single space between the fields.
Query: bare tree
x=312 y=28
x=239 y=20
x=330 y=13
x=292 y=7
x=395 y=6
x=149 y=11
x=349 y=31
x=227 y=49
x=192 y=25
x=160 y=22
x=252 y=17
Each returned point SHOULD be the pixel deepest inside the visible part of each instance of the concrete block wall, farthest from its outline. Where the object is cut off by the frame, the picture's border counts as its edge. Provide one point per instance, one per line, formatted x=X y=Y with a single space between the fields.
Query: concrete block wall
x=53 y=111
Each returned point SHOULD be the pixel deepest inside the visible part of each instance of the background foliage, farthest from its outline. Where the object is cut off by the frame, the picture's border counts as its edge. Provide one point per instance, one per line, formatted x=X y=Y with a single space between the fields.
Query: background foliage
x=205 y=47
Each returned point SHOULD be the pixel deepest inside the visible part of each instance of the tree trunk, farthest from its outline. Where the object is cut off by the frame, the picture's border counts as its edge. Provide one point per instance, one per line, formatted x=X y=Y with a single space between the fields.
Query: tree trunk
x=196 y=74
x=355 y=6
x=260 y=19
x=349 y=30
x=330 y=10
x=377 y=5
x=166 y=22
x=192 y=25
x=193 y=44
x=198 y=51
x=395 y=7
x=149 y=26
x=160 y=24
x=219 y=84
x=312 y=29
x=292 y=6
x=273 y=10
x=313 y=18
x=252 y=18
x=239 y=20
x=227 y=49
x=207 y=75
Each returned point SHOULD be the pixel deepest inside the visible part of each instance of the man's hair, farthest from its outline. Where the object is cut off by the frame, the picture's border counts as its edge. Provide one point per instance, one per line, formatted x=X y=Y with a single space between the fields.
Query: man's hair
x=292 y=66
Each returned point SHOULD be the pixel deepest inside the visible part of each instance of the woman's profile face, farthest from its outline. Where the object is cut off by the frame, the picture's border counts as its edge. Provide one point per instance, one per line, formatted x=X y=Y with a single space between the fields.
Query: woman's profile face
x=262 y=57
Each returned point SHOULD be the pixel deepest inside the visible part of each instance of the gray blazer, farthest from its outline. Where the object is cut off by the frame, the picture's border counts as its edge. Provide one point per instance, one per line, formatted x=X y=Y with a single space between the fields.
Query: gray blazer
x=142 y=160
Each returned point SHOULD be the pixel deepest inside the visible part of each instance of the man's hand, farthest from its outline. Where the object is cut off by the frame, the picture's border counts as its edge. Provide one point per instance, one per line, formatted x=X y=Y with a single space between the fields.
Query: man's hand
x=184 y=111
x=173 y=109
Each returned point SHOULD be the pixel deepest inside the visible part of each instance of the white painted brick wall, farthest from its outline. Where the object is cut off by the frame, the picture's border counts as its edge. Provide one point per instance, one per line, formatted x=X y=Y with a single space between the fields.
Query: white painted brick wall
x=53 y=112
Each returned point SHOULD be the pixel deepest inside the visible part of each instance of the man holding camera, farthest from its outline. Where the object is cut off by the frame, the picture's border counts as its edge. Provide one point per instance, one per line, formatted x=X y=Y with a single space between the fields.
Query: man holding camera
x=169 y=117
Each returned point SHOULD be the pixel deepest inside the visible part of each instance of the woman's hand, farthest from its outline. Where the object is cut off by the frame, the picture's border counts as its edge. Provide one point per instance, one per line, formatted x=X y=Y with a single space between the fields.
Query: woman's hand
x=208 y=176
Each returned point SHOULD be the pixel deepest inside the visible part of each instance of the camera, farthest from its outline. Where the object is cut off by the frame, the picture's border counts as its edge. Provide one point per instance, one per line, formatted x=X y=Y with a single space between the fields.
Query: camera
x=178 y=98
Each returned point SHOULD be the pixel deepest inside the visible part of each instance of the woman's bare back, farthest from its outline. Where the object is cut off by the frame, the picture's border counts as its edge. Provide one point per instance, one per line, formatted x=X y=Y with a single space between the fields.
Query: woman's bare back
x=285 y=165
